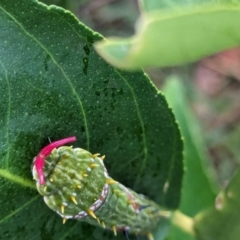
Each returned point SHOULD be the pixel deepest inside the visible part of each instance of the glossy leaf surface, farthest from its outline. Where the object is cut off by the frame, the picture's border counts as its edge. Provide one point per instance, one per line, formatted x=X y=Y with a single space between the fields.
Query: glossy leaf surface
x=53 y=84
x=199 y=185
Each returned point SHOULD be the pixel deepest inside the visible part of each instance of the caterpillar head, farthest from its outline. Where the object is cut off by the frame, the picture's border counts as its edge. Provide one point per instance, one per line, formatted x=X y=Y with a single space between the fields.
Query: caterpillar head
x=39 y=160
x=72 y=180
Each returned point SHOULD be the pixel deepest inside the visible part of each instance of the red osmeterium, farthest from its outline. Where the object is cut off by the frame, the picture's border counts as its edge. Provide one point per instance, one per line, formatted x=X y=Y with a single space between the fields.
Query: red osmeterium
x=40 y=158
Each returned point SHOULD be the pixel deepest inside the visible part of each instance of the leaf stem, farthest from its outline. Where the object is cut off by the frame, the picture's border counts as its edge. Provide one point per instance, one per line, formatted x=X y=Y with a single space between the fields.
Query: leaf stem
x=184 y=222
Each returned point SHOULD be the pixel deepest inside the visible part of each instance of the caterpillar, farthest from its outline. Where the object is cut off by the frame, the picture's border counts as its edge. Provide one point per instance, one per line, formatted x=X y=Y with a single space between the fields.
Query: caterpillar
x=76 y=185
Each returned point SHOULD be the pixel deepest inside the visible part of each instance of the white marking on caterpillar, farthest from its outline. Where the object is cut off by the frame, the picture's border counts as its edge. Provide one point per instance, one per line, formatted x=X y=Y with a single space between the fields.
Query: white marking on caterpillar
x=105 y=171
x=106 y=174
x=101 y=161
x=80 y=215
x=65 y=216
x=98 y=203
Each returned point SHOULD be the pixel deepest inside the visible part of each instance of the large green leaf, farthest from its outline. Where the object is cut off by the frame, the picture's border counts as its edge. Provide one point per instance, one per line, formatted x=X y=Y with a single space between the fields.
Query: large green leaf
x=199 y=179
x=199 y=185
x=153 y=5
x=175 y=36
x=53 y=84
x=222 y=220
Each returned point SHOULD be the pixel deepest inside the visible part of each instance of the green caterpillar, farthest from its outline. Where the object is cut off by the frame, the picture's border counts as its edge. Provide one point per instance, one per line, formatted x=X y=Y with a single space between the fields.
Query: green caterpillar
x=76 y=185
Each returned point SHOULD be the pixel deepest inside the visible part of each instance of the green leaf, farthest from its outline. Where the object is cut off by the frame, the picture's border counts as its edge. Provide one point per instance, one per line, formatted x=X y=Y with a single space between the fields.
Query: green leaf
x=199 y=184
x=53 y=84
x=174 y=37
x=153 y=5
x=162 y=229
x=221 y=221
x=177 y=233
x=199 y=179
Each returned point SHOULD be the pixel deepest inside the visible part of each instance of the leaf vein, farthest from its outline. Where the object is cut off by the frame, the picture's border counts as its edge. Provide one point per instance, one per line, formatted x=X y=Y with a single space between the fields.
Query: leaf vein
x=145 y=149
x=61 y=69
x=19 y=209
x=67 y=232
x=7 y=116
x=17 y=179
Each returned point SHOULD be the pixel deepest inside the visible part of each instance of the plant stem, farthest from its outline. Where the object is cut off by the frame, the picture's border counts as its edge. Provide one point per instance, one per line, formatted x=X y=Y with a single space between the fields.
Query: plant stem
x=184 y=222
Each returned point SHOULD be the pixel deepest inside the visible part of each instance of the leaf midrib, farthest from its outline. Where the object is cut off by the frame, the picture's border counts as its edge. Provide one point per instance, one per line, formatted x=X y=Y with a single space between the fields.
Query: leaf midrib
x=18 y=209
x=4 y=173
